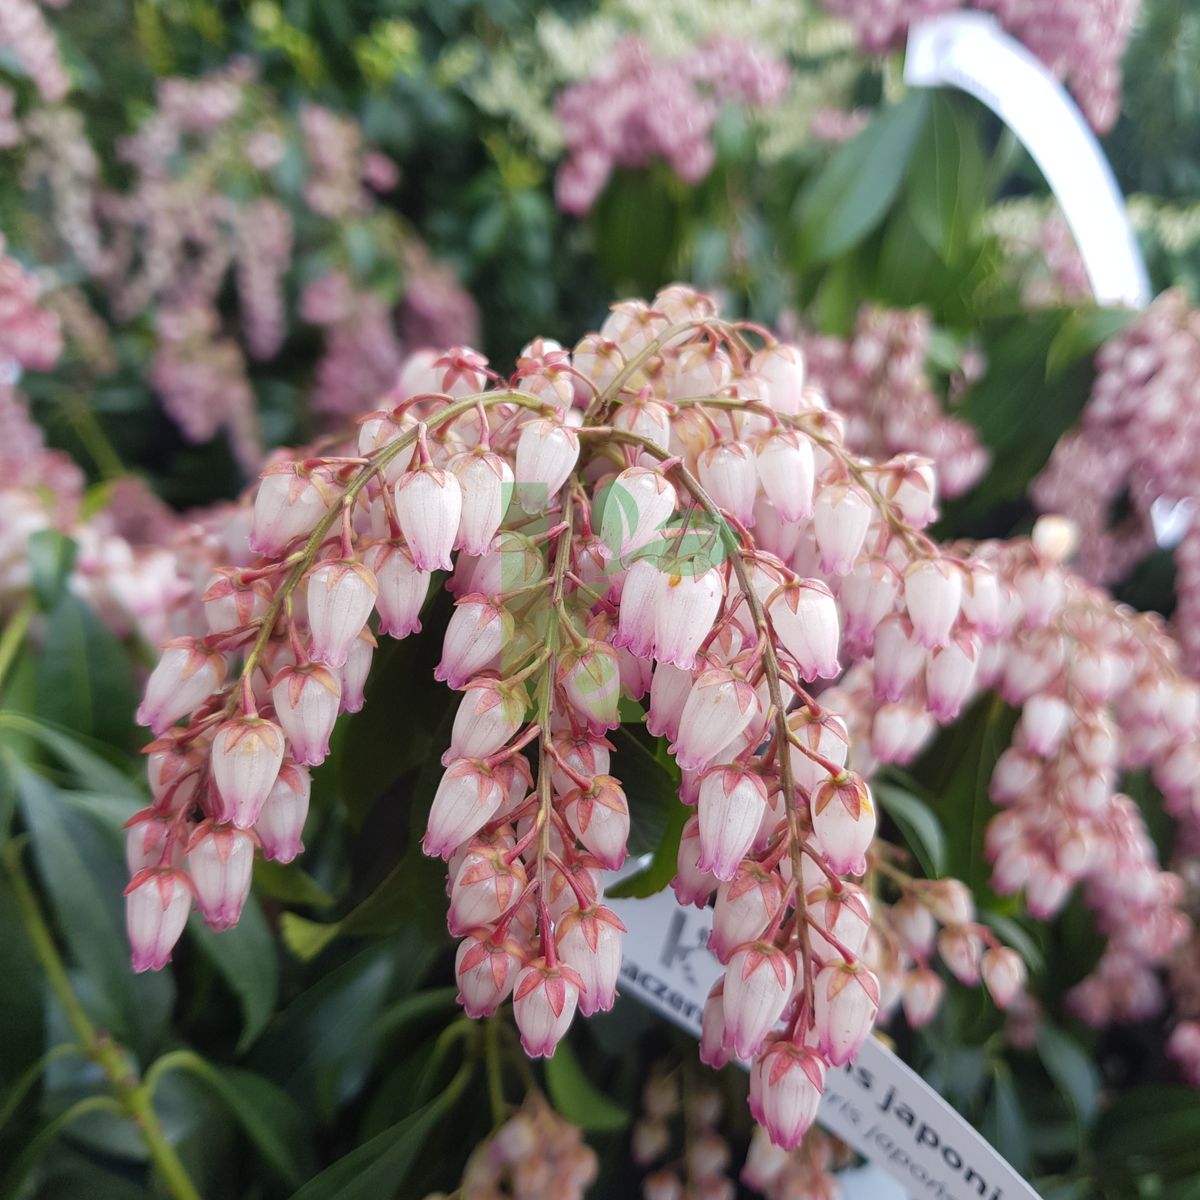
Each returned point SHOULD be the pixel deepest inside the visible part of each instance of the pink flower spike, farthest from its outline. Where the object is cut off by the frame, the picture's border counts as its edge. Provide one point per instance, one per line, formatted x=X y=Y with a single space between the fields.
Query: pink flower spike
x=247 y=753
x=429 y=508
x=544 y=1004
x=730 y=809
x=157 y=903
x=466 y=799
x=220 y=859
x=758 y=983
x=185 y=676
x=340 y=598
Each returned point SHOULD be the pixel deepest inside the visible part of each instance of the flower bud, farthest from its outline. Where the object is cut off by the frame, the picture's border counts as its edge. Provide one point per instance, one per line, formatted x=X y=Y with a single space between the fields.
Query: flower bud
x=590 y=676
x=692 y=884
x=632 y=511
x=477 y=633
x=727 y=471
x=805 y=618
x=402 y=587
x=950 y=676
x=546 y=454
x=949 y=900
x=289 y=503
x=544 y=1004
x=843 y=820
x=429 y=509
x=781 y=367
x=914 y=925
x=841 y=517
x=186 y=675
x=826 y=735
x=786 y=469
x=745 y=906
x=247 y=753
x=486 y=482
x=730 y=809
x=866 y=596
x=758 y=983
x=589 y=940
x=669 y=688
x=220 y=859
x=715 y=1050
x=719 y=707
x=466 y=799
x=354 y=673
x=486 y=969
x=488 y=715
x=1003 y=973
x=960 y=950
x=845 y=914
x=149 y=842
x=306 y=699
x=922 y=996
x=340 y=598
x=686 y=607
x=229 y=603
x=382 y=428
x=846 y=999
x=281 y=821
x=157 y=903
x=599 y=818
x=933 y=596
x=791 y=1082
x=485 y=887
x=639 y=603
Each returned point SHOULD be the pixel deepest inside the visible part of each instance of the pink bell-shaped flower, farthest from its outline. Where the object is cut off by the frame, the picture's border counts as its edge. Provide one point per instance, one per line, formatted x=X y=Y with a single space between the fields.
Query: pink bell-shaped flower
x=233 y=603
x=184 y=677
x=745 y=906
x=599 y=818
x=899 y=657
x=157 y=903
x=730 y=809
x=486 y=481
x=485 y=887
x=150 y=841
x=590 y=675
x=547 y=452
x=477 y=634
x=466 y=799
x=845 y=1001
x=639 y=603
x=486 y=967
x=843 y=820
x=805 y=618
x=781 y=368
x=866 y=596
x=589 y=940
x=544 y=1004
x=340 y=598
x=585 y=753
x=307 y=699
x=290 y=502
x=354 y=673
x=962 y=951
x=786 y=469
x=950 y=676
x=921 y=996
x=758 y=983
x=719 y=707
x=825 y=735
x=246 y=755
x=633 y=510
x=1003 y=971
x=791 y=1083
x=692 y=884
x=841 y=517
x=488 y=715
x=715 y=1050
x=686 y=607
x=845 y=914
x=402 y=586
x=728 y=473
x=429 y=509
x=669 y=688
x=933 y=596
x=220 y=859
x=281 y=821
x=382 y=428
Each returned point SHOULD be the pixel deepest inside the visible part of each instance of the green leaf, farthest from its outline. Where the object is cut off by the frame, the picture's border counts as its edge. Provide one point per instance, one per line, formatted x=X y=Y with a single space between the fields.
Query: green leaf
x=854 y=190
x=73 y=753
x=1082 y=333
x=651 y=782
x=1072 y=1070
x=577 y=1098
x=247 y=960
x=268 y=1115
x=1004 y=1122
x=22 y=1033
x=82 y=870
x=51 y=557
x=946 y=181
x=287 y=882
x=1154 y=1123
x=378 y=1167
x=917 y=821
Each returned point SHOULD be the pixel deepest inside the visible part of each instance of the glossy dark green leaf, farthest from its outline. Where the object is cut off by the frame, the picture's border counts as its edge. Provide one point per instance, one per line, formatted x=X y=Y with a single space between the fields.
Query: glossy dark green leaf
x=82 y=757
x=1155 y=1123
x=22 y=1029
x=854 y=190
x=919 y=823
x=290 y=883
x=1004 y=1123
x=577 y=1098
x=651 y=782
x=1072 y=1069
x=248 y=961
x=51 y=557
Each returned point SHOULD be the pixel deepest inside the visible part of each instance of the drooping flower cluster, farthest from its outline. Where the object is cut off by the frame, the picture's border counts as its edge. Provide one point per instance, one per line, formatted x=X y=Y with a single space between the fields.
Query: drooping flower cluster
x=1101 y=694
x=638 y=108
x=1135 y=455
x=27 y=36
x=878 y=380
x=534 y=1155
x=664 y=512
x=1080 y=41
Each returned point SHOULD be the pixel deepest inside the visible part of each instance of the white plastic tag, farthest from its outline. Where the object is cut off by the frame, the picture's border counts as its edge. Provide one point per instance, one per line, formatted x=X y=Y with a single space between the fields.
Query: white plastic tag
x=887 y=1112
x=970 y=51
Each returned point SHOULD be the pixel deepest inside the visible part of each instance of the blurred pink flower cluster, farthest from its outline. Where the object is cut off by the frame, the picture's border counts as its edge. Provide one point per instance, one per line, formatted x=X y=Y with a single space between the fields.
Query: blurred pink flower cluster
x=638 y=108
x=878 y=381
x=1135 y=456
x=26 y=34
x=1081 y=41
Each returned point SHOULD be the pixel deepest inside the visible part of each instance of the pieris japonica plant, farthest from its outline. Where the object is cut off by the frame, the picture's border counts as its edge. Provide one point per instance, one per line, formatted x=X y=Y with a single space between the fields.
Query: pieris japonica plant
x=665 y=517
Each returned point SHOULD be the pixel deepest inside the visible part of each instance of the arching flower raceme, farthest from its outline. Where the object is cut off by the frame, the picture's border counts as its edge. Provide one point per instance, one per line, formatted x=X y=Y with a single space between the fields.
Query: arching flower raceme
x=691 y=538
